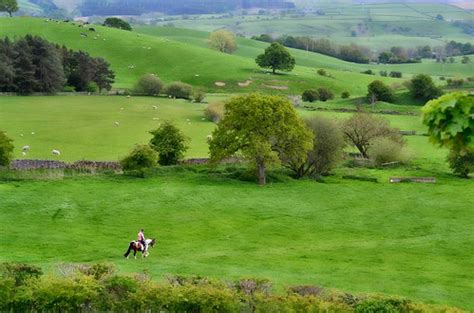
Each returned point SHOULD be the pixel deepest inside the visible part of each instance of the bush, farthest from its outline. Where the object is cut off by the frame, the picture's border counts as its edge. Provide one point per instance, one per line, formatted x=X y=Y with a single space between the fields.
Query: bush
x=117 y=23
x=345 y=94
x=69 y=89
x=386 y=305
x=97 y=271
x=310 y=95
x=141 y=158
x=378 y=91
x=92 y=87
x=20 y=273
x=148 y=85
x=322 y=72
x=199 y=96
x=383 y=73
x=214 y=111
x=169 y=142
x=325 y=94
x=422 y=87
x=384 y=150
x=368 y=72
x=396 y=74
x=455 y=82
x=6 y=149
x=179 y=90
x=461 y=163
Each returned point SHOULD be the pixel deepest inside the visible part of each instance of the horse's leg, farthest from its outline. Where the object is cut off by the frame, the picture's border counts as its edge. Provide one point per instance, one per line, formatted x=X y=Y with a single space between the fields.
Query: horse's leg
x=135 y=253
x=128 y=251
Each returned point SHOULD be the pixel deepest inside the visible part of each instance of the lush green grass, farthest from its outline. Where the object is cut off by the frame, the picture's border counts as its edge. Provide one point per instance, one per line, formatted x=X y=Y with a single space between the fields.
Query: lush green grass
x=173 y=60
x=251 y=48
x=82 y=127
x=409 y=239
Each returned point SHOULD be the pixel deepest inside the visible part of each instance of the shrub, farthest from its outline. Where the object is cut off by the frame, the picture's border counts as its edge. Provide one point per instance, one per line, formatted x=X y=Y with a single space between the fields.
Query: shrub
x=169 y=142
x=6 y=149
x=117 y=23
x=361 y=129
x=345 y=94
x=396 y=74
x=383 y=73
x=310 y=95
x=378 y=91
x=322 y=72
x=214 y=111
x=386 y=305
x=141 y=158
x=92 y=87
x=199 y=96
x=462 y=163
x=69 y=89
x=384 y=150
x=422 y=87
x=455 y=82
x=97 y=271
x=179 y=90
x=328 y=143
x=148 y=85
x=368 y=72
x=20 y=272
x=325 y=94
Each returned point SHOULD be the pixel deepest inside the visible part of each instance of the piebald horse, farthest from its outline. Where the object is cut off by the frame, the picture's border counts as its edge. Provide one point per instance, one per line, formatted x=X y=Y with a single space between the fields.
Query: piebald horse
x=138 y=246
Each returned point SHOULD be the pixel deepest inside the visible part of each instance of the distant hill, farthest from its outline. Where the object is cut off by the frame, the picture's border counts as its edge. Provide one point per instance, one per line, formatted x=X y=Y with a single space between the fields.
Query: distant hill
x=137 y=7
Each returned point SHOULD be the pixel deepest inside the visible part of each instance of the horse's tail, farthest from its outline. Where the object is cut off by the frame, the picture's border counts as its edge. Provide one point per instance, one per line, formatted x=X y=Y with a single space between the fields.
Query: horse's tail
x=130 y=247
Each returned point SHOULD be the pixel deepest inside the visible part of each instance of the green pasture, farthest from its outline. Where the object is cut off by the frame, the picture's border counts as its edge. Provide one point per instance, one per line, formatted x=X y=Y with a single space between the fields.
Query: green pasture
x=83 y=127
x=411 y=240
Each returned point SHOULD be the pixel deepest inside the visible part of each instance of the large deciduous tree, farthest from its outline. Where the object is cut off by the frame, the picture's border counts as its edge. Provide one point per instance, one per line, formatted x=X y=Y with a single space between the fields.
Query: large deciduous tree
x=450 y=121
x=276 y=57
x=422 y=87
x=117 y=23
x=9 y=6
x=223 y=41
x=264 y=129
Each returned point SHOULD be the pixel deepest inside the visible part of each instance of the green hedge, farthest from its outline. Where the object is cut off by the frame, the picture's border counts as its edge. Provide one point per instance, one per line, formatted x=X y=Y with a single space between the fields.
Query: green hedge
x=97 y=288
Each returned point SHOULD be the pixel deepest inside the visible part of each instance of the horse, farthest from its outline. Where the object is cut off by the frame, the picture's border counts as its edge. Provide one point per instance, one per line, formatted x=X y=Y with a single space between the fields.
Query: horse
x=138 y=246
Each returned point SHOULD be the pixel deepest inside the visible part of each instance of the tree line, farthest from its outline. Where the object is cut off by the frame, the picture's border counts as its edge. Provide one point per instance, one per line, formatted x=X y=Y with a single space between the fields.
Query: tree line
x=32 y=64
x=360 y=54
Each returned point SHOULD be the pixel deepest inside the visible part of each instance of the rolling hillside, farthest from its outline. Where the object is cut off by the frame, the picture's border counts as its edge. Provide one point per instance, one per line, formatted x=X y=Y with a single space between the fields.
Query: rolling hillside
x=132 y=55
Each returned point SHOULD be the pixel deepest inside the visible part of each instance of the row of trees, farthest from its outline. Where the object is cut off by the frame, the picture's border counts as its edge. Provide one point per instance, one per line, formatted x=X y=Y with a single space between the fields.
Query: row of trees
x=32 y=64
x=360 y=54
x=352 y=53
x=151 y=85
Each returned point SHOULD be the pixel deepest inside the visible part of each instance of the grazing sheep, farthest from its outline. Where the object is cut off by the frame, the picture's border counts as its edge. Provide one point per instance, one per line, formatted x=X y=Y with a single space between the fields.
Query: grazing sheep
x=33 y=133
x=56 y=152
x=117 y=124
x=25 y=148
x=156 y=118
x=155 y=107
x=23 y=153
x=121 y=109
x=129 y=96
x=197 y=75
x=209 y=137
x=21 y=135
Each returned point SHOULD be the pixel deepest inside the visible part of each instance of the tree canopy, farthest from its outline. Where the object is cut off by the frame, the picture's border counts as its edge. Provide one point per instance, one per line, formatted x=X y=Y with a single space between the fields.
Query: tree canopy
x=276 y=57
x=117 y=23
x=422 y=87
x=264 y=129
x=450 y=120
x=223 y=41
x=8 y=6
x=170 y=143
x=6 y=149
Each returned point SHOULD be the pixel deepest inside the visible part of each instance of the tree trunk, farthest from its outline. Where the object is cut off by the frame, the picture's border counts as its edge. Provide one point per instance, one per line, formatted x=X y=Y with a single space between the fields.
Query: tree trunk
x=274 y=70
x=262 y=180
x=9 y=12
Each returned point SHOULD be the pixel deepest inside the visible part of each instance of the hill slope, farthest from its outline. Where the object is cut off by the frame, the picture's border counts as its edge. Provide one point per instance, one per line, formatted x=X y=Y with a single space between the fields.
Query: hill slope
x=132 y=55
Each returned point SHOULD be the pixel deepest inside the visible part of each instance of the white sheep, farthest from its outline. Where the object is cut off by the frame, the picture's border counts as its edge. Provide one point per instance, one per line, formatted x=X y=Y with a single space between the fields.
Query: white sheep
x=209 y=137
x=25 y=148
x=23 y=153
x=155 y=107
x=116 y=124
x=56 y=152
x=21 y=135
x=32 y=133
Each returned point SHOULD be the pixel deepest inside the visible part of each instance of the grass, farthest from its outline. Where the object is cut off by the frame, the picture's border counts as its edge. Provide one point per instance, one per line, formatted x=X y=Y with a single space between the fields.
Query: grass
x=411 y=240
x=82 y=127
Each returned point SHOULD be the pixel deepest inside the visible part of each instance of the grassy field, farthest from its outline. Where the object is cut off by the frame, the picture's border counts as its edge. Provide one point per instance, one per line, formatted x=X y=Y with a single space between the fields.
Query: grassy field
x=377 y=25
x=82 y=127
x=408 y=239
x=176 y=54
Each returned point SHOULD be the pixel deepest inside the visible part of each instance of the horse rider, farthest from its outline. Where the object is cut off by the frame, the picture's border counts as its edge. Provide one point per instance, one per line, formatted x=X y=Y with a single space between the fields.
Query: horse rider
x=141 y=239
